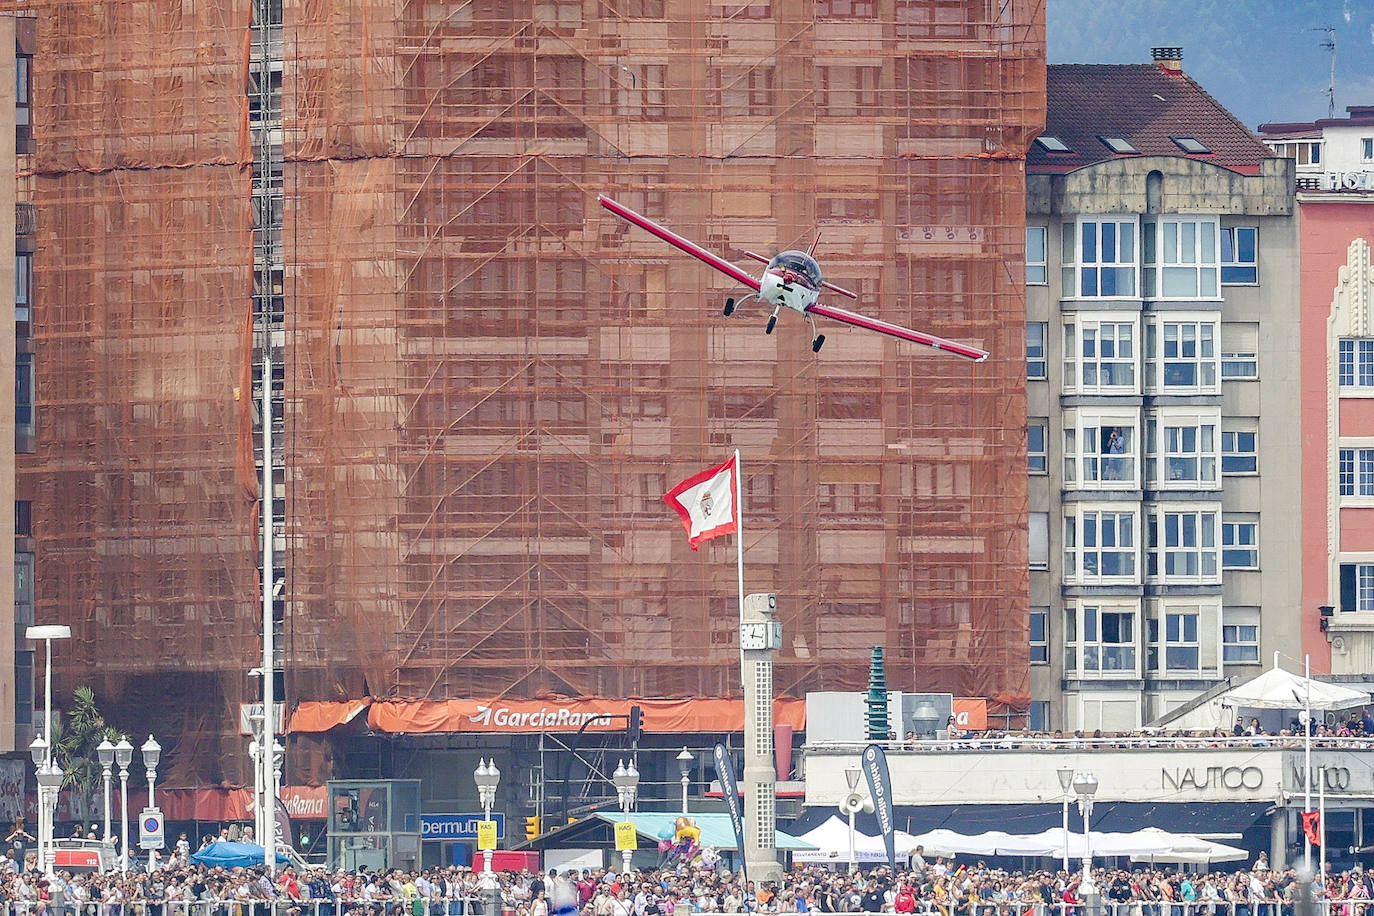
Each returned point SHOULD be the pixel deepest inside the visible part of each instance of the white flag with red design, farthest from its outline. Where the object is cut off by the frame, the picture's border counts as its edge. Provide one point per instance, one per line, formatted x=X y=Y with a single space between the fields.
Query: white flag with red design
x=706 y=503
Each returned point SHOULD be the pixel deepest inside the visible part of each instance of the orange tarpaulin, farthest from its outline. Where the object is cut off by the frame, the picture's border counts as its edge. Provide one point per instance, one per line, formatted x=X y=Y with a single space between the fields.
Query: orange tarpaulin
x=322 y=716
x=686 y=715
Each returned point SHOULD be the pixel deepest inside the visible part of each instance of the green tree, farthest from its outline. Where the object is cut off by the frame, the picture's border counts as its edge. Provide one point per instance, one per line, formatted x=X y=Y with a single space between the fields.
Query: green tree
x=75 y=751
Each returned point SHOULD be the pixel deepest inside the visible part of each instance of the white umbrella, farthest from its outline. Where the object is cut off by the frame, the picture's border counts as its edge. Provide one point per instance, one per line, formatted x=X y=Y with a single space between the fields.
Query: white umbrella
x=1278 y=689
x=1193 y=849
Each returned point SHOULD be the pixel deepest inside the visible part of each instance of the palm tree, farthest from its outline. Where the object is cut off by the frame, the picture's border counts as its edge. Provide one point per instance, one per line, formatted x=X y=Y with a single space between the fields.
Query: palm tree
x=75 y=751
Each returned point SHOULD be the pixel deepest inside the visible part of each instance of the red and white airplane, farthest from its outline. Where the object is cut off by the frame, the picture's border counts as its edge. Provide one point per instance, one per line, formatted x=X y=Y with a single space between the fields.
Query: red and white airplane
x=793 y=280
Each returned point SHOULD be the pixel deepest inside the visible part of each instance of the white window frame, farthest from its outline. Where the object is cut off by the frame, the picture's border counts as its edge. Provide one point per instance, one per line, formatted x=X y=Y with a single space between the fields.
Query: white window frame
x=1037 y=268
x=1086 y=333
x=1086 y=654
x=1040 y=648
x=1182 y=250
x=1240 y=635
x=1083 y=276
x=1367 y=149
x=1038 y=540
x=1037 y=460
x=1355 y=363
x=1231 y=239
x=1177 y=638
x=1193 y=443
x=1240 y=366
x=1035 y=358
x=1087 y=466
x=1236 y=440
x=1355 y=472
x=1097 y=536
x=1240 y=538
x=1183 y=544
x=1177 y=345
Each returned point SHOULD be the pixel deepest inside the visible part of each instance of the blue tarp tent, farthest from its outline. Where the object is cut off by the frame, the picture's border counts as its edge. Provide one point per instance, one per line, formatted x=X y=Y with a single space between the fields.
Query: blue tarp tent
x=233 y=855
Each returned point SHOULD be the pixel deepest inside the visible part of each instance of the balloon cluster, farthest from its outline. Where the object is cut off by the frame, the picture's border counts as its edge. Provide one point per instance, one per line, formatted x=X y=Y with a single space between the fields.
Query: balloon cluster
x=681 y=842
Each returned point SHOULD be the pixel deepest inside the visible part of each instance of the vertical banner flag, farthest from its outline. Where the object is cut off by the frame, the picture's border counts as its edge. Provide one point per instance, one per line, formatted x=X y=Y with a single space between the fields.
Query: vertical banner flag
x=725 y=772
x=706 y=503
x=880 y=790
x=1312 y=826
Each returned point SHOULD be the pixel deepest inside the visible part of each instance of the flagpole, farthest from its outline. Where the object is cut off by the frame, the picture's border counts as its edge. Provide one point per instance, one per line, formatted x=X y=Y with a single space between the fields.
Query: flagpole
x=739 y=545
x=1307 y=760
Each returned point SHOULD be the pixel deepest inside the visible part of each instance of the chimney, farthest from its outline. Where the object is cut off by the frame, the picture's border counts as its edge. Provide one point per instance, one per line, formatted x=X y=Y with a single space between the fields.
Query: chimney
x=1170 y=60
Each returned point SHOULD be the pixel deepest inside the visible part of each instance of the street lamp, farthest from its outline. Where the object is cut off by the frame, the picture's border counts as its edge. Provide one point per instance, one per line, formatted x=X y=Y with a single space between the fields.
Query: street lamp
x=487 y=777
x=626 y=780
x=684 y=767
x=47 y=633
x=124 y=757
x=269 y=817
x=38 y=750
x=1066 y=783
x=49 y=783
x=851 y=776
x=1085 y=787
x=105 y=753
x=151 y=752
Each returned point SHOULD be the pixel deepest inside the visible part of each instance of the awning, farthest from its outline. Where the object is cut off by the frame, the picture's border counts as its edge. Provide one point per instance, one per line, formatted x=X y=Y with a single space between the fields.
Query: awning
x=715 y=828
x=1176 y=817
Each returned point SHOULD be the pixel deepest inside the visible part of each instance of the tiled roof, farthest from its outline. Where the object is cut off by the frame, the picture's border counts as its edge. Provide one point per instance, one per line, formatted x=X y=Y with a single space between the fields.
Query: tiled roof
x=1144 y=105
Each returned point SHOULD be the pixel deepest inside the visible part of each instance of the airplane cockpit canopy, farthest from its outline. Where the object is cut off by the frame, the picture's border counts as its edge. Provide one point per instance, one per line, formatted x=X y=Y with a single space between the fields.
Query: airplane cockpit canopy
x=801 y=264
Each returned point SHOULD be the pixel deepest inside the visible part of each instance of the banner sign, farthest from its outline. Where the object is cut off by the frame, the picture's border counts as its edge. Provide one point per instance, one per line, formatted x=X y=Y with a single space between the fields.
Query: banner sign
x=880 y=790
x=625 y=837
x=725 y=772
x=459 y=826
x=486 y=835
x=502 y=716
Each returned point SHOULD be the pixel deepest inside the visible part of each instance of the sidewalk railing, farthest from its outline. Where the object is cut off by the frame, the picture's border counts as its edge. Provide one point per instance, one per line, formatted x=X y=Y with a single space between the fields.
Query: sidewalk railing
x=282 y=906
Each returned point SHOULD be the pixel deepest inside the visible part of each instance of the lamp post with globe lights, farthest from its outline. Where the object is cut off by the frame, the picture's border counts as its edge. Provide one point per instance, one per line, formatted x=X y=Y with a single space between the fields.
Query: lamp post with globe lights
x=124 y=758
x=152 y=751
x=1085 y=787
x=42 y=754
x=488 y=777
x=1066 y=783
x=626 y=780
x=105 y=753
x=684 y=767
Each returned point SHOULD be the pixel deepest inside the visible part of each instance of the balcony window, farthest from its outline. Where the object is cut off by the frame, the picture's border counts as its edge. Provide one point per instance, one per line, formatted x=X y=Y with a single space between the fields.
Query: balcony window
x=1186 y=354
x=1100 y=259
x=1107 y=644
x=1190 y=454
x=1105 y=354
x=1355 y=362
x=1182 y=258
x=1100 y=546
x=23 y=286
x=1037 y=266
x=1108 y=456
x=23 y=402
x=1187 y=542
x=1356 y=472
x=1239 y=254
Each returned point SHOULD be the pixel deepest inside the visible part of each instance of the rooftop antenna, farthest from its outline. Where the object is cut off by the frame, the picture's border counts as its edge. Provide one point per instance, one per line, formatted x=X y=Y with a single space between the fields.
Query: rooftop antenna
x=1329 y=45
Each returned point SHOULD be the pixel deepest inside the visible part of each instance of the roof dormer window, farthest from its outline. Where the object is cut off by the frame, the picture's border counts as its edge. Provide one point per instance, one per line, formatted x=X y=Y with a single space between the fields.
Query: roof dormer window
x=1190 y=144
x=1052 y=144
x=1118 y=145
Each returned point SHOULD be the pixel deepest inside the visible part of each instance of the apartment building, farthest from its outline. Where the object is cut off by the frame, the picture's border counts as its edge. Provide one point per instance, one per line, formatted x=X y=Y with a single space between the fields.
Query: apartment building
x=1163 y=396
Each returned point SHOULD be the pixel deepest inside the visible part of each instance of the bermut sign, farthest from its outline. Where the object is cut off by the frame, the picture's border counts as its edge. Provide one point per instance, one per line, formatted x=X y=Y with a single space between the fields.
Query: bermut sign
x=568 y=715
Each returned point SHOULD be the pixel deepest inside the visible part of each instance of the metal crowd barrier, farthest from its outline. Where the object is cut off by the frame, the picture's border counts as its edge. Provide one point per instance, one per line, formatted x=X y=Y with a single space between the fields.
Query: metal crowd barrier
x=431 y=906
x=1324 y=907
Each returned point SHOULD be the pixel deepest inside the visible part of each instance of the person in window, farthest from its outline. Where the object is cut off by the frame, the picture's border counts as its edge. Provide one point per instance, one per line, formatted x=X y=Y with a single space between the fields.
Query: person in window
x=1116 y=447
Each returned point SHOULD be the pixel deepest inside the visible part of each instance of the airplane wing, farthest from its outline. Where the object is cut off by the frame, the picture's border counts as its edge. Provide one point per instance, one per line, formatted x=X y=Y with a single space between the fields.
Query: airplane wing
x=901 y=333
x=677 y=241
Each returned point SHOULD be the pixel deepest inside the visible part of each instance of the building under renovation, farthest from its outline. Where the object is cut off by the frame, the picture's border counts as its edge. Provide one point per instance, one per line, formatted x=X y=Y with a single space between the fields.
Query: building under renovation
x=484 y=383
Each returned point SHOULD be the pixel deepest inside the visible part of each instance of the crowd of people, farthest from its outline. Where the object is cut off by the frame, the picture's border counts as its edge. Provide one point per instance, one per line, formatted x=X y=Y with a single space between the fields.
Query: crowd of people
x=937 y=887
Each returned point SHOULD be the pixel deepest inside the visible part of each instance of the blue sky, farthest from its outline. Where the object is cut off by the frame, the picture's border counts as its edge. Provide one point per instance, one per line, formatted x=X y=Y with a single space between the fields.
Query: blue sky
x=1256 y=57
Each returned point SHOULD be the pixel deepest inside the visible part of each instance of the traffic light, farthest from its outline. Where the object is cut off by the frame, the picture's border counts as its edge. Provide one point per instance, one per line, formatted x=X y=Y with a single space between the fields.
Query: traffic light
x=532 y=827
x=636 y=717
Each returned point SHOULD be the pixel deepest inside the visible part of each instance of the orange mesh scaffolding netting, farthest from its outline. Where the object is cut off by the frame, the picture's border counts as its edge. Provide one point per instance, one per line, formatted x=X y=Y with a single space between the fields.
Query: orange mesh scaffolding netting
x=490 y=383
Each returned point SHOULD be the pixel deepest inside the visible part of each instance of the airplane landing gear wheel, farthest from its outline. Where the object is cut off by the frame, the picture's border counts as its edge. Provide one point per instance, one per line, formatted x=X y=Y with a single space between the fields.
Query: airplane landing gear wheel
x=772 y=322
x=816 y=344
x=729 y=307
